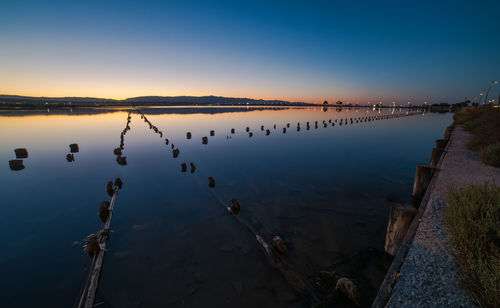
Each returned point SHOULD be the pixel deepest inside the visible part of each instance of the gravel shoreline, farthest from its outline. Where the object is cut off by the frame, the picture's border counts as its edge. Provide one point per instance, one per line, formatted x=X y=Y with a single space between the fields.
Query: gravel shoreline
x=429 y=276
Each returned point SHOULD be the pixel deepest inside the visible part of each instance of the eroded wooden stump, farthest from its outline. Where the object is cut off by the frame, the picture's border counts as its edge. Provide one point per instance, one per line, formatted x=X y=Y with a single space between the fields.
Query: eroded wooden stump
x=21 y=153
x=441 y=143
x=74 y=148
x=211 y=182
x=400 y=218
x=435 y=156
x=423 y=176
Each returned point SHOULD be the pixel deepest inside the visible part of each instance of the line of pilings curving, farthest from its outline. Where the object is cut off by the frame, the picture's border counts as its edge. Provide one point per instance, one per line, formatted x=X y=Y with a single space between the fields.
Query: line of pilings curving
x=275 y=252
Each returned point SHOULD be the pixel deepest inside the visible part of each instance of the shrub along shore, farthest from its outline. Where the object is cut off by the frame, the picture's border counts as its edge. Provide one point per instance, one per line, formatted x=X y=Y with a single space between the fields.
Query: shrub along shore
x=473 y=223
x=484 y=125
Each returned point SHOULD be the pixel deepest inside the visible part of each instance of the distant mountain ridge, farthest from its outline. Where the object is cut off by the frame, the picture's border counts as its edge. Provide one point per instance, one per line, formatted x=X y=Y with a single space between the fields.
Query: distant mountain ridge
x=211 y=99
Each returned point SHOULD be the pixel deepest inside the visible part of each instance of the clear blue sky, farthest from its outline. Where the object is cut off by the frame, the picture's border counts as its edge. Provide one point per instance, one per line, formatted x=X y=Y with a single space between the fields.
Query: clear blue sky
x=308 y=50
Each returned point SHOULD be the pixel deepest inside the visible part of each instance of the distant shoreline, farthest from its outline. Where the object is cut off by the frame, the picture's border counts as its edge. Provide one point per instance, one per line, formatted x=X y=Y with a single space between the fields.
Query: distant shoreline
x=6 y=105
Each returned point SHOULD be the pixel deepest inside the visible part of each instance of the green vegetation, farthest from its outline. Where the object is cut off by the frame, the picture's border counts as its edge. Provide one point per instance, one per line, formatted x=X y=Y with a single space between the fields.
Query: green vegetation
x=473 y=223
x=484 y=124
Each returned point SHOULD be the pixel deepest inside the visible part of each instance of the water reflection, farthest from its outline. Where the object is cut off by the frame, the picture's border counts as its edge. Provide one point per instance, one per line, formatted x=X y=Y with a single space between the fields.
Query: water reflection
x=301 y=217
x=18 y=164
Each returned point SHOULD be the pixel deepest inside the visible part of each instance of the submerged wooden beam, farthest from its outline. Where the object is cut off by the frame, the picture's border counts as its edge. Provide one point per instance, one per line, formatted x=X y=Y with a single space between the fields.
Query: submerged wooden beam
x=99 y=258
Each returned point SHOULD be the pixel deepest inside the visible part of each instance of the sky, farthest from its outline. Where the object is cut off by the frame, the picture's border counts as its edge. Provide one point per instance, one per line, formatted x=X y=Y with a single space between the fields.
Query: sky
x=355 y=51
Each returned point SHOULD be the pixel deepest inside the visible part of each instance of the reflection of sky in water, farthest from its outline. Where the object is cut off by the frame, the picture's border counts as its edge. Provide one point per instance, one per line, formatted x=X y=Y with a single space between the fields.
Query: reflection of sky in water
x=323 y=190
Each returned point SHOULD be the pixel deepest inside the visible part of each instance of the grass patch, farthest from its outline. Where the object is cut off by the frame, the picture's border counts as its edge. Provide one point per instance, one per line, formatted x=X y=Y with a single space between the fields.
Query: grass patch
x=484 y=124
x=490 y=154
x=473 y=223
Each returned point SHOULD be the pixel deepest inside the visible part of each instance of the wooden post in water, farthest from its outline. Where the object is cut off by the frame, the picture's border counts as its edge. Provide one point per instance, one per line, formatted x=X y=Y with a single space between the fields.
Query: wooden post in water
x=449 y=129
x=435 y=156
x=441 y=143
x=400 y=218
x=423 y=176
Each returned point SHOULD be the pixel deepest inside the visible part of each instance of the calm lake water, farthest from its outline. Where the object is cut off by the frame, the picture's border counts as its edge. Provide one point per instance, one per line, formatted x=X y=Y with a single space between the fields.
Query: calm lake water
x=325 y=191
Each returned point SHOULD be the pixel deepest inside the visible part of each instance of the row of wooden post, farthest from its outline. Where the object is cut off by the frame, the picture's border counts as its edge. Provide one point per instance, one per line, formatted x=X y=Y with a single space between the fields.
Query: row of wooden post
x=401 y=215
x=268 y=131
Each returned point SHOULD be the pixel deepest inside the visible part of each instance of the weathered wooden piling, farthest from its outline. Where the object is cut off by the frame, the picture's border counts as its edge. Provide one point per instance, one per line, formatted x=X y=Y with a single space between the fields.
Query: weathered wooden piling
x=183 y=167
x=279 y=244
x=175 y=153
x=70 y=158
x=21 y=153
x=204 y=140
x=117 y=151
x=423 y=176
x=103 y=211
x=247 y=129
x=268 y=132
x=284 y=130
x=211 y=182
x=250 y=134
x=193 y=167
x=74 y=148
x=441 y=143
x=166 y=141
x=188 y=135
x=122 y=160
x=435 y=156
x=447 y=133
x=235 y=208
x=232 y=130
x=212 y=133
x=109 y=188
x=16 y=164
x=400 y=218
x=262 y=127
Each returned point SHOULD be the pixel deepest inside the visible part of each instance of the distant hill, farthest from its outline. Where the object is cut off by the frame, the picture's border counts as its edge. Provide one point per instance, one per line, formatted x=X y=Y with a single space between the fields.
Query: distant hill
x=143 y=100
x=55 y=99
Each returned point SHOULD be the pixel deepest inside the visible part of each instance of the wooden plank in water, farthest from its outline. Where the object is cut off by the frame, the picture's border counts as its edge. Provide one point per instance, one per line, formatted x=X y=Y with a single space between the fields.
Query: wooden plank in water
x=96 y=271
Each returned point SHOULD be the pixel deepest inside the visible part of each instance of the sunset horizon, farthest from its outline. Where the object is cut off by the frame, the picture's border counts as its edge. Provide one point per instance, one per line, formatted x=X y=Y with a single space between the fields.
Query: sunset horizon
x=293 y=51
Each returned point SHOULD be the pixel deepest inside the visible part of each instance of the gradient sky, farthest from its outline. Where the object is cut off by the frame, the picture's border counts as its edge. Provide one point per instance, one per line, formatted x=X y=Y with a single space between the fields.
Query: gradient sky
x=293 y=50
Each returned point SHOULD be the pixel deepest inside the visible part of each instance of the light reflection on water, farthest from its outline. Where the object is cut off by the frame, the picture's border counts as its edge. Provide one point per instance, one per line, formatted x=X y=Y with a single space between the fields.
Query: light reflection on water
x=324 y=191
